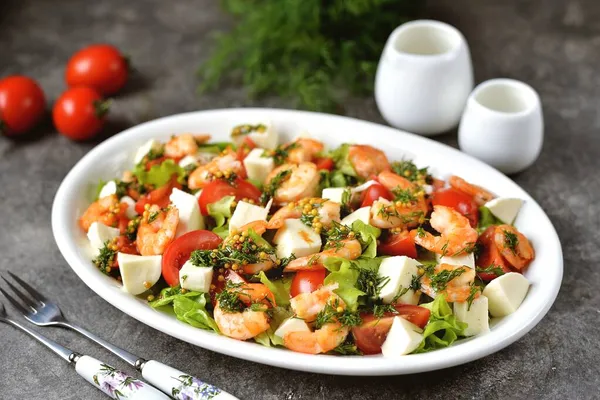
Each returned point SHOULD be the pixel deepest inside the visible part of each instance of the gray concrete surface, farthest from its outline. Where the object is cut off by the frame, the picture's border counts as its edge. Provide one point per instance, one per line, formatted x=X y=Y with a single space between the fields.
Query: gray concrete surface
x=553 y=45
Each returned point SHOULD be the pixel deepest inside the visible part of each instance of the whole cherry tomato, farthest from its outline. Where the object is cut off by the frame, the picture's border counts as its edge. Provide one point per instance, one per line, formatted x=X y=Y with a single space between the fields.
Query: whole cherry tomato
x=100 y=66
x=79 y=113
x=373 y=193
x=22 y=104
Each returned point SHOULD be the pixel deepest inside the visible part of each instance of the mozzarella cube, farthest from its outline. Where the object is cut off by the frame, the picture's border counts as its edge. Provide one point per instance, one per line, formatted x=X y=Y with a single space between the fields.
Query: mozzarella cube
x=400 y=272
x=130 y=212
x=187 y=161
x=195 y=278
x=245 y=213
x=257 y=166
x=291 y=325
x=476 y=316
x=139 y=273
x=108 y=189
x=467 y=259
x=145 y=149
x=333 y=194
x=190 y=218
x=403 y=338
x=266 y=138
x=98 y=234
x=506 y=293
x=362 y=214
x=505 y=208
x=296 y=238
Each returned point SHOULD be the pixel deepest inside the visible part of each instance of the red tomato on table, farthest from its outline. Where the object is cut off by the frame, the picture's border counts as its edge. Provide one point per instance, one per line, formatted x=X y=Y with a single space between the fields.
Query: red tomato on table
x=399 y=244
x=373 y=193
x=489 y=255
x=461 y=202
x=372 y=333
x=220 y=188
x=307 y=281
x=79 y=113
x=22 y=104
x=180 y=249
x=159 y=196
x=100 y=66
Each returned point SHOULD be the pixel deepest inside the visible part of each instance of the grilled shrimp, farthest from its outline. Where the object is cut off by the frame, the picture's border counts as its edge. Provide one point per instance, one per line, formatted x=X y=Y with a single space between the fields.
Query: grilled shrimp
x=480 y=195
x=157 y=230
x=202 y=175
x=304 y=149
x=106 y=210
x=514 y=246
x=457 y=235
x=367 y=160
x=325 y=211
x=457 y=289
x=349 y=249
x=303 y=181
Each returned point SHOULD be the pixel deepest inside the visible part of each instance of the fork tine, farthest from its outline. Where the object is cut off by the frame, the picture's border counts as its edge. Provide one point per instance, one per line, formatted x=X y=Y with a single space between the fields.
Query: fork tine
x=34 y=293
x=23 y=298
x=15 y=303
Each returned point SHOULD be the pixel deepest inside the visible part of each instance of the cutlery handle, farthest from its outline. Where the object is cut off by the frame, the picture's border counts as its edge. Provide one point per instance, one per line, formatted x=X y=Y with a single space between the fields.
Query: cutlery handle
x=115 y=384
x=180 y=385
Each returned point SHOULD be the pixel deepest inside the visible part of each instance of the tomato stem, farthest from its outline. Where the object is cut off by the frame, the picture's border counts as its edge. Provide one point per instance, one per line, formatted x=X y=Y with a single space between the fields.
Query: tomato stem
x=101 y=107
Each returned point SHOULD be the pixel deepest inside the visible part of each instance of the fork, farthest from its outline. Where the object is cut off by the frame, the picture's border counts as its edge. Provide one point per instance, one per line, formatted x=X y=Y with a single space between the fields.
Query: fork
x=115 y=384
x=40 y=311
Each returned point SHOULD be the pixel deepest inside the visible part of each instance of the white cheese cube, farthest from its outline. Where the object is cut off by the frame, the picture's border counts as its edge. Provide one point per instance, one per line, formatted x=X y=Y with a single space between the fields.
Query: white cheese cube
x=296 y=238
x=190 y=218
x=108 y=189
x=145 y=149
x=506 y=293
x=291 y=325
x=476 y=317
x=403 y=338
x=363 y=214
x=245 y=213
x=130 y=212
x=333 y=194
x=267 y=139
x=257 y=166
x=139 y=273
x=400 y=271
x=98 y=234
x=195 y=278
x=505 y=208
x=187 y=161
x=467 y=259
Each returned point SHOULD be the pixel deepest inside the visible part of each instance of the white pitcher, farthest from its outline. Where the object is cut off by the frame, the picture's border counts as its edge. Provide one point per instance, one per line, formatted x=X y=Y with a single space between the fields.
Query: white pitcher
x=424 y=77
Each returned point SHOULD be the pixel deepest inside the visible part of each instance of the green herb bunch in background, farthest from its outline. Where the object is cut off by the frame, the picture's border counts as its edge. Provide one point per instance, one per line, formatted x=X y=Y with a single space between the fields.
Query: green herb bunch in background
x=315 y=52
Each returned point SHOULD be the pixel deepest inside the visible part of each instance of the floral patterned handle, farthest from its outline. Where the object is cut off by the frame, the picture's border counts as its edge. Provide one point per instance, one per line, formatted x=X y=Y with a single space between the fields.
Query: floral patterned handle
x=180 y=385
x=116 y=384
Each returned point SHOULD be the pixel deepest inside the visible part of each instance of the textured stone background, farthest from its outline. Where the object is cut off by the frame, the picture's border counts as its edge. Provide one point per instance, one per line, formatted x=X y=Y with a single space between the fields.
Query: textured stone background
x=553 y=45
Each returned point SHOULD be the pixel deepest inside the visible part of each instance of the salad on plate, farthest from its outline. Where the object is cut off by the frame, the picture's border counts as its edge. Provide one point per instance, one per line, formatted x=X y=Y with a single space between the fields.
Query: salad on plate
x=338 y=251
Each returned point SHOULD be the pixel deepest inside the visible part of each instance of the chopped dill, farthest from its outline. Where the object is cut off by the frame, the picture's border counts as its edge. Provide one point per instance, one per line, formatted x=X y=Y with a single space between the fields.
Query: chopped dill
x=472 y=293
x=202 y=258
x=281 y=152
x=440 y=280
x=347 y=349
x=274 y=184
x=492 y=269
x=106 y=257
x=333 y=312
x=404 y=196
x=379 y=310
x=370 y=282
x=152 y=216
x=408 y=170
x=512 y=241
x=132 y=228
x=246 y=129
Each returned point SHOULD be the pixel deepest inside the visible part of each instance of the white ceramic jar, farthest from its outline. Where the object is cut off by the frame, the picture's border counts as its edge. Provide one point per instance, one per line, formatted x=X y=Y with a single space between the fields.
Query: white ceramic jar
x=503 y=125
x=424 y=77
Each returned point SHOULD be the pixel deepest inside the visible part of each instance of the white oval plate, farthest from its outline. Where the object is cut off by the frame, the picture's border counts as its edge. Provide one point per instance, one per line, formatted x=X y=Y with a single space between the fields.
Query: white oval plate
x=114 y=155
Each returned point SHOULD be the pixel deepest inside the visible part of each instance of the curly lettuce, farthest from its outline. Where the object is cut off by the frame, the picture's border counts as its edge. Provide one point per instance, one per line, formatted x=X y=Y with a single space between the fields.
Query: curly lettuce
x=486 y=219
x=442 y=329
x=189 y=307
x=280 y=288
x=221 y=212
x=159 y=175
x=368 y=236
x=346 y=274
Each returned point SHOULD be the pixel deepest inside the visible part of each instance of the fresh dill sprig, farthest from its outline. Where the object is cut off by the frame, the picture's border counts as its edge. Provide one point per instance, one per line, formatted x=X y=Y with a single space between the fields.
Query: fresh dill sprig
x=512 y=240
x=270 y=188
x=105 y=259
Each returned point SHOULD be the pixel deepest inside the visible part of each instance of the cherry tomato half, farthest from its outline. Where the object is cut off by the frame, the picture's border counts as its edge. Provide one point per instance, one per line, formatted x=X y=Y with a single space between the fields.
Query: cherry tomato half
x=399 y=244
x=22 y=104
x=373 y=193
x=325 y=163
x=79 y=113
x=245 y=148
x=178 y=252
x=372 y=333
x=159 y=196
x=307 y=281
x=220 y=188
x=99 y=66
x=489 y=255
x=461 y=202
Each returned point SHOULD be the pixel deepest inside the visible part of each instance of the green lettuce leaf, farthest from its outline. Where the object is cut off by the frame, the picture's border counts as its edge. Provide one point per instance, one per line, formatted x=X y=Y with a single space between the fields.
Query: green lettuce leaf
x=280 y=288
x=442 y=329
x=268 y=338
x=188 y=307
x=368 y=235
x=220 y=210
x=342 y=162
x=345 y=273
x=338 y=179
x=215 y=147
x=486 y=219
x=159 y=175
